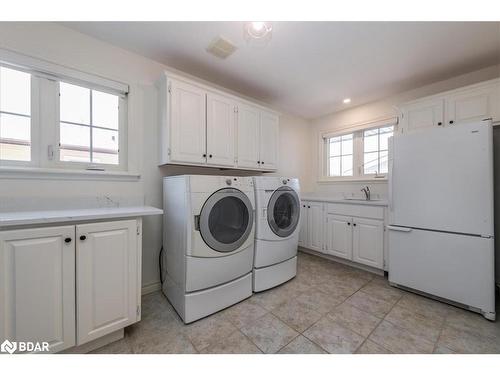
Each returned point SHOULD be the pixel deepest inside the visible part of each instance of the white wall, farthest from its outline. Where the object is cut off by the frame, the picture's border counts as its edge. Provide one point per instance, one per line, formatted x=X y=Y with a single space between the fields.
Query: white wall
x=66 y=47
x=371 y=111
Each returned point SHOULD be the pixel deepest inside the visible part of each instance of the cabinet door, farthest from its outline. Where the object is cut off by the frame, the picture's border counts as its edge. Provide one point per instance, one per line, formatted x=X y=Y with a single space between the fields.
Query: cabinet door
x=248 y=136
x=187 y=123
x=303 y=224
x=269 y=128
x=315 y=226
x=338 y=236
x=422 y=115
x=470 y=105
x=221 y=121
x=37 y=286
x=368 y=242
x=106 y=285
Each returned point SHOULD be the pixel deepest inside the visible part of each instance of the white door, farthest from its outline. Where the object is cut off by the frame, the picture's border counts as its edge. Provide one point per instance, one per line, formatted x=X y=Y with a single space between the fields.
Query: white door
x=422 y=115
x=37 y=286
x=303 y=224
x=338 y=236
x=368 y=242
x=107 y=282
x=221 y=122
x=269 y=129
x=187 y=123
x=315 y=226
x=248 y=136
x=471 y=105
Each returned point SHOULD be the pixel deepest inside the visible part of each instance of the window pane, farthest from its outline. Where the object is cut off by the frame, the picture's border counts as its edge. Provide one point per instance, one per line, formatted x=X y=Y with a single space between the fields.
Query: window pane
x=75 y=155
x=370 y=132
x=75 y=135
x=15 y=127
x=384 y=158
x=15 y=91
x=347 y=145
x=371 y=163
x=371 y=143
x=104 y=158
x=74 y=103
x=384 y=137
x=104 y=110
x=334 y=166
x=347 y=165
x=17 y=152
x=335 y=146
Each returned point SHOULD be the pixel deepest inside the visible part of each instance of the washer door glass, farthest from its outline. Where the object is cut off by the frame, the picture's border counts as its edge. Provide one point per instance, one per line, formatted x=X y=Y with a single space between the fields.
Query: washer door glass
x=226 y=220
x=283 y=211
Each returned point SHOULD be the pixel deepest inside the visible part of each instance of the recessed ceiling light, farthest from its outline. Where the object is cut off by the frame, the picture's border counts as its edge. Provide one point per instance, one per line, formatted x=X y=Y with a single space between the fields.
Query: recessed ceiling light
x=258 y=32
x=347 y=100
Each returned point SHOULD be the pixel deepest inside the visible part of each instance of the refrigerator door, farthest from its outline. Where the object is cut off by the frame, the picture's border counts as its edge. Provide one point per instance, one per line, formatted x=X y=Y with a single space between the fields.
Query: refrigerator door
x=442 y=179
x=456 y=267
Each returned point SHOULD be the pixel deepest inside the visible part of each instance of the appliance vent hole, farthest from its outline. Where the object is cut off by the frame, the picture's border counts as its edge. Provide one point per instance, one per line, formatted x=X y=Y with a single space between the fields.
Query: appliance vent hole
x=221 y=47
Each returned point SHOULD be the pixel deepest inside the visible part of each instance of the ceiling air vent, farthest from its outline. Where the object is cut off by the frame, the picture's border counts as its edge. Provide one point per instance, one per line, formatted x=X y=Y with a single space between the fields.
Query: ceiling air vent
x=221 y=47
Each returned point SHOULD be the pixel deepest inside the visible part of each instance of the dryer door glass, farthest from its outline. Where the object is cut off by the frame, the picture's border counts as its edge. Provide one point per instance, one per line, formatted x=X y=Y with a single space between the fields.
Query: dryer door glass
x=226 y=220
x=283 y=211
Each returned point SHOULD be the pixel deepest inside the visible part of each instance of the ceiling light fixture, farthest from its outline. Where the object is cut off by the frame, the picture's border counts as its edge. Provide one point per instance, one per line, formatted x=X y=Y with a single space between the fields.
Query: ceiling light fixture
x=258 y=32
x=347 y=100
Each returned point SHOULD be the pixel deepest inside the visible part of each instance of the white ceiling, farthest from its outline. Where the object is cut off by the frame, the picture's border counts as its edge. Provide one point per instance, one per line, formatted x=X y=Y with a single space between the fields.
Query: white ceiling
x=308 y=68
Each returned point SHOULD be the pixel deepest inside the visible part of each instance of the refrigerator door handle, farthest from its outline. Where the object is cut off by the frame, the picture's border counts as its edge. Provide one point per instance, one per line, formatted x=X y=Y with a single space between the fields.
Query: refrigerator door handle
x=399 y=229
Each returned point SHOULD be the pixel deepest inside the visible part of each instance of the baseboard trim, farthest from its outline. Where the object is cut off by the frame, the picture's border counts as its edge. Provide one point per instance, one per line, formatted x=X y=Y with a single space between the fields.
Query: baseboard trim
x=343 y=261
x=150 y=288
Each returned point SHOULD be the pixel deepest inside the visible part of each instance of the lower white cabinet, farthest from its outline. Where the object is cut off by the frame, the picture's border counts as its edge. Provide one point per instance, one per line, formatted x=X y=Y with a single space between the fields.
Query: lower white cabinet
x=368 y=242
x=37 y=286
x=333 y=229
x=338 y=236
x=311 y=233
x=107 y=282
x=41 y=298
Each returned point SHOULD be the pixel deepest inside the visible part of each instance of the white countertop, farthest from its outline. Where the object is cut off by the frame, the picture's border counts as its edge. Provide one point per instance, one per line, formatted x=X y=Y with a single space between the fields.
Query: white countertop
x=8 y=219
x=318 y=198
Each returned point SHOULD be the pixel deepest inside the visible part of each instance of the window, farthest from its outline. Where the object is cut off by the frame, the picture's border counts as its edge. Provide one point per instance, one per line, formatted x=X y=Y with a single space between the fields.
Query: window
x=15 y=115
x=361 y=154
x=89 y=125
x=376 y=150
x=340 y=155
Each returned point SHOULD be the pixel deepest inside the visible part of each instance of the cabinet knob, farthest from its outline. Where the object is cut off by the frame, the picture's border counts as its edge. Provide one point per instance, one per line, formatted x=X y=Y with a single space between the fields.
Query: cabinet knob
x=67 y=240
x=261 y=162
x=348 y=223
x=308 y=206
x=204 y=155
x=354 y=224
x=304 y=205
x=83 y=238
x=258 y=162
x=440 y=123
x=210 y=155
x=451 y=121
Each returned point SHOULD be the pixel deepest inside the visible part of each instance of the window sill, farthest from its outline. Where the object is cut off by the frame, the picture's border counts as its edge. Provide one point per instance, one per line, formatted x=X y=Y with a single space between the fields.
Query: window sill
x=65 y=174
x=325 y=180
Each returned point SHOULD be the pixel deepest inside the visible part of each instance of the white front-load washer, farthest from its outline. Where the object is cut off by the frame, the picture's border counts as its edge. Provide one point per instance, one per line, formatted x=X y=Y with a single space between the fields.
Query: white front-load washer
x=208 y=239
x=277 y=218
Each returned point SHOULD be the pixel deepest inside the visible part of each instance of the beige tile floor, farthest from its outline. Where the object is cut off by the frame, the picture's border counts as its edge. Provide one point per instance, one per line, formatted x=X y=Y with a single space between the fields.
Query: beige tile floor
x=327 y=308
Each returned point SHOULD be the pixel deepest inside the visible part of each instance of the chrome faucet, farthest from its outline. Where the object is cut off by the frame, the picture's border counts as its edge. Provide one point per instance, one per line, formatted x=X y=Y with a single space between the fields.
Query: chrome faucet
x=366 y=190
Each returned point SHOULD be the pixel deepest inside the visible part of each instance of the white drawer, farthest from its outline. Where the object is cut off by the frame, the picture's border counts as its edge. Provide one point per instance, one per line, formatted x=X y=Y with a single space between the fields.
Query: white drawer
x=371 y=212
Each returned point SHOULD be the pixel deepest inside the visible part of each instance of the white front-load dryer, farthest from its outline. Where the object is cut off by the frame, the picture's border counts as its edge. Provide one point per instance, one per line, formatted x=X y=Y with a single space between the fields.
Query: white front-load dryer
x=277 y=219
x=208 y=242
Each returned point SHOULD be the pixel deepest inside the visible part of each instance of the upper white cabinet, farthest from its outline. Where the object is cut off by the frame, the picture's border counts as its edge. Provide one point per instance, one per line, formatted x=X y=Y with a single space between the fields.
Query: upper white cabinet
x=37 y=286
x=187 y=123
x=203 y=126
x=221 y=126
x=471 y=103
x=107 y=282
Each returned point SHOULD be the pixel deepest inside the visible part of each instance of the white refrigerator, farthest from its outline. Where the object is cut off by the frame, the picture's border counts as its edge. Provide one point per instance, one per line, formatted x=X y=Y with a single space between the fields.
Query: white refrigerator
x=441 y=214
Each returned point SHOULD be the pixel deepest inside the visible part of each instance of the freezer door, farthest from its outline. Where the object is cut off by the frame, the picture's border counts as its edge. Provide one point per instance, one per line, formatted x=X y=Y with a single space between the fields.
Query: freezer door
x=442 y=179
x=455 y=267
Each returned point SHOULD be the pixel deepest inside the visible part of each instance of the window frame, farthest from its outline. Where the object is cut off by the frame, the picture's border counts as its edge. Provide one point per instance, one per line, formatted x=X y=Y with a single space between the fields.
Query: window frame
x=358 y=152
x=45 y=124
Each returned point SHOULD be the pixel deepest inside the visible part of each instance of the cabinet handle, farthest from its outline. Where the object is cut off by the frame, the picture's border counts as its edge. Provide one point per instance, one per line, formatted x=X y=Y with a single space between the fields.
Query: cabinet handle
x=440 y=123
x=451 y=121
x=67 y=240
x=83 y=238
